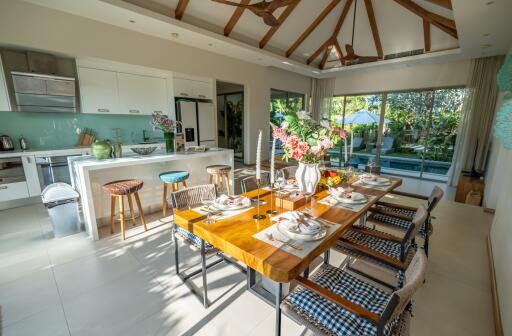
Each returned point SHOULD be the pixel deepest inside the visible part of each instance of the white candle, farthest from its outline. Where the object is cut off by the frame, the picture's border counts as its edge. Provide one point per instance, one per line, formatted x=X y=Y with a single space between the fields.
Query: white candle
x=351 y=143
x=258 y=158
x=346 y=148
x=272 y=163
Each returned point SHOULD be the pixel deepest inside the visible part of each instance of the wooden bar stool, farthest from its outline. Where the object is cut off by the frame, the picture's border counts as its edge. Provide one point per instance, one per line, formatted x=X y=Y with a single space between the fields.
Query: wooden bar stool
x=173 y=178
x=220 y=172
x=118 y=189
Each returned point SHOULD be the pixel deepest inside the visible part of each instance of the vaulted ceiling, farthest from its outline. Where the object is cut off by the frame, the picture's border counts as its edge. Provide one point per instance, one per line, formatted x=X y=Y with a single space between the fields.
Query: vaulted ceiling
x=316 y=32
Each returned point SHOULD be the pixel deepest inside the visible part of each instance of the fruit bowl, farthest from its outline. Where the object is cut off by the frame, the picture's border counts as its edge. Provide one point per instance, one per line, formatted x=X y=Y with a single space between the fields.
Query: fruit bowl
x=143 y=150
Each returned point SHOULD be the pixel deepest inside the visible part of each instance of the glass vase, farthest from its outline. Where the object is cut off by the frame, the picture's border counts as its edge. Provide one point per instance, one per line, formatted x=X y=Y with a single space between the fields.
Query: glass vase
x=169 y=142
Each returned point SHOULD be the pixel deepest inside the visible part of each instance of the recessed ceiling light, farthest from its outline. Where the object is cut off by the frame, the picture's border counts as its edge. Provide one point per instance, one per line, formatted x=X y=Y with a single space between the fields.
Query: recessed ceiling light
x=175 y=35
x=132 y=21
x=287 y=63
x=485 y=46
x=314 y=71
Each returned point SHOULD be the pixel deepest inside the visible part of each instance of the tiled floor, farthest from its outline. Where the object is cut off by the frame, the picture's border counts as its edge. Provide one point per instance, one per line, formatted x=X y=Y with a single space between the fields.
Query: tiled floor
x=73 y=286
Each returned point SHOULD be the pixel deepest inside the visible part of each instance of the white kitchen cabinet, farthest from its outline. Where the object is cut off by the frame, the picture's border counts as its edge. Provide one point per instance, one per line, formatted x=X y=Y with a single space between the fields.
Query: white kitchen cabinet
x=12 y=191
x=206 y=122
x=31 y=175
x=142 y=94
x=98 y=91
x=4 y=96
x=190 y=88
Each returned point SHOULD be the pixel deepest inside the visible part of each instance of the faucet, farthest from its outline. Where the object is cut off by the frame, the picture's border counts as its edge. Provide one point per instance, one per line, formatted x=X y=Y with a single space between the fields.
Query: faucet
x=145 y=137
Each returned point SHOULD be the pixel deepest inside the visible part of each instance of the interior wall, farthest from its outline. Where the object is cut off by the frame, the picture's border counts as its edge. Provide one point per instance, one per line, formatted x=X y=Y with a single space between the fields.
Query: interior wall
x=224 y=87
x=29 y=26
x=402 y=77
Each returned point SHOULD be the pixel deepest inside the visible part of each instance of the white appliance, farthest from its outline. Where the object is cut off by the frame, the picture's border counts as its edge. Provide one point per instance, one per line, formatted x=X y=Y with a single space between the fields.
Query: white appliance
x=199 y=125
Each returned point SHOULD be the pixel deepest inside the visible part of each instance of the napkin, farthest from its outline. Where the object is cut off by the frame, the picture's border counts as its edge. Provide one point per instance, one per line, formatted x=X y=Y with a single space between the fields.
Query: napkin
x=296 y=222
x=233 y=200
x=346 y=193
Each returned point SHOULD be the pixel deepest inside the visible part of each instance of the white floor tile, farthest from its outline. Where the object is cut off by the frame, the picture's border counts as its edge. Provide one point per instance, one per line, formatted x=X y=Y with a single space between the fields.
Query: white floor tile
x=49 y=322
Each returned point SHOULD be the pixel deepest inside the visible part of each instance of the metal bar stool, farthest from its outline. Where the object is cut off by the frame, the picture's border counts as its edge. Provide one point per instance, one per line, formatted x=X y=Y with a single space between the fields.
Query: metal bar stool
x=220 y=173
x=173 y=178
x=119 y=189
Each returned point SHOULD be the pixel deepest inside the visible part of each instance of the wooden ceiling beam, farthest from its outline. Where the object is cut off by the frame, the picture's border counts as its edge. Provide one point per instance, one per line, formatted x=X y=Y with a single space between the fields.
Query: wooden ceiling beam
x=284 y=15
x=375 y=29
x=317 y=53
x=235 y=17
x=312 y=27
x=343 y=15
x=426 y=35
x=443 y=3
x=432 y=18
x=326 y=55
x=180 y=9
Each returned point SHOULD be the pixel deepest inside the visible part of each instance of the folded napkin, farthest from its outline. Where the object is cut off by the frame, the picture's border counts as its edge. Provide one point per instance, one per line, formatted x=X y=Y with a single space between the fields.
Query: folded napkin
x=374 y=178
x=233 y=200
x=346 y=193
x=296 y=222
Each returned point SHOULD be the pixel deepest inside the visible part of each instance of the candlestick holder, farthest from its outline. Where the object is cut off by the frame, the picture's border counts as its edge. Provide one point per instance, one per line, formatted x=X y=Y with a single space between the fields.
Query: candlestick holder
x=258 y=215
x=271 y=211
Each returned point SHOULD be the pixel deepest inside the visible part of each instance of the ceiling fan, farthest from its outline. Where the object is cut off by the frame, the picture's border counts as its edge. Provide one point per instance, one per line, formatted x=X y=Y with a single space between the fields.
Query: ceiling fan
x=263 y=9
x=351 y=56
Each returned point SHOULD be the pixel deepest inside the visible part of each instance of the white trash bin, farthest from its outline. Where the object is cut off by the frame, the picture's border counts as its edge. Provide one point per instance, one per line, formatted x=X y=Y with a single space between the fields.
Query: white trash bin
x=61 y=200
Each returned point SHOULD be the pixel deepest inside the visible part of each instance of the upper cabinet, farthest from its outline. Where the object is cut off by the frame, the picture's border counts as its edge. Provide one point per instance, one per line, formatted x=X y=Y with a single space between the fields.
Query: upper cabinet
x=142 y=94
x=192 y=88
x=98 y=91
x=113 y=92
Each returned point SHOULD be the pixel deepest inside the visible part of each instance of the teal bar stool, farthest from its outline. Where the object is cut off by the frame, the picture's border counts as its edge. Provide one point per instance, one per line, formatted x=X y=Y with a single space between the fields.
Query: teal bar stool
x=172 y=178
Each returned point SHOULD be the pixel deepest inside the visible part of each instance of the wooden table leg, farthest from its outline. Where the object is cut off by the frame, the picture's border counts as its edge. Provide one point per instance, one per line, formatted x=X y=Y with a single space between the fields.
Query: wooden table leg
x=139 y=207
x=112 y=213
x=130 y=204
x=121 y=215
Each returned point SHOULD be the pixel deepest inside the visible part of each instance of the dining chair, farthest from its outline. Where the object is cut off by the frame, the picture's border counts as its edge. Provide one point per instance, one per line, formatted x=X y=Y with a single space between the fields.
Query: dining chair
x=187 y=199
x=249 y=183
x=334 y=301
x=289 y=171
x=382 y=248
x=398 y=216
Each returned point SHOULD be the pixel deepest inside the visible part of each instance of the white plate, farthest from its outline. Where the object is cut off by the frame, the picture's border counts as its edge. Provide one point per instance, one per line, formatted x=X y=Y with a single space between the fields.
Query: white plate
x=290 y=187
x=224 y=207
x=351 y=201
x=380 y=182
x=302 y=237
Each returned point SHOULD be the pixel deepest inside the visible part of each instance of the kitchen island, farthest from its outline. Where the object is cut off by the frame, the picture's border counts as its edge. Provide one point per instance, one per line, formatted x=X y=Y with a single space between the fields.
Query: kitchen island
x=89 y=174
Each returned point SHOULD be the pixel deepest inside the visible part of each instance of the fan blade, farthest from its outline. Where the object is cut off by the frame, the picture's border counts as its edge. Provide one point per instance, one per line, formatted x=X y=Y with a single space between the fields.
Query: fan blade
x=269 y=19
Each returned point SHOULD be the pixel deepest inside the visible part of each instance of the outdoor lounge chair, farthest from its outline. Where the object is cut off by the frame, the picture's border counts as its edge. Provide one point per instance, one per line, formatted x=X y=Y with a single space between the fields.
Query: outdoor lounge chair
x=387 y=145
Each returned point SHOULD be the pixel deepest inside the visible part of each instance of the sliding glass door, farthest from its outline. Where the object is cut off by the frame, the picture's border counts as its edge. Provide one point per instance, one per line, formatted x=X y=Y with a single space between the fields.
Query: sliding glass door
x=419 y=130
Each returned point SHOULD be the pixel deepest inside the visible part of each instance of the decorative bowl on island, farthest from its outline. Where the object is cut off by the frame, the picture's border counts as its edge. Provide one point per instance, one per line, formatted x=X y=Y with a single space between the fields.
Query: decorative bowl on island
x=143 y=150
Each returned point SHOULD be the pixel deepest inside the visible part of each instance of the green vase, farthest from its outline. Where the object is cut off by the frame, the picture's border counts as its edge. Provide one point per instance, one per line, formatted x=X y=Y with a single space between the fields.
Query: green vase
x=102 y=149
x=169 y=142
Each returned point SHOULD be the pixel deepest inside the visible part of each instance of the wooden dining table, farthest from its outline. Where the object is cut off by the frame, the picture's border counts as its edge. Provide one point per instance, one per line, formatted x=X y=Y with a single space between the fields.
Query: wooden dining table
x=233 y=236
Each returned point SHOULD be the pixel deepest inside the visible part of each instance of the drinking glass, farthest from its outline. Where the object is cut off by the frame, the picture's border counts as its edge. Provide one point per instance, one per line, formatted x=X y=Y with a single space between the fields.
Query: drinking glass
x=279 y=180
x=371 y=163
x=207 y=201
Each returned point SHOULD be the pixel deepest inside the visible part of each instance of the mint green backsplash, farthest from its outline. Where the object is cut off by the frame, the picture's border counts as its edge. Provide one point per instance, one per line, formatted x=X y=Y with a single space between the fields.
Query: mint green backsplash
x=43 y=130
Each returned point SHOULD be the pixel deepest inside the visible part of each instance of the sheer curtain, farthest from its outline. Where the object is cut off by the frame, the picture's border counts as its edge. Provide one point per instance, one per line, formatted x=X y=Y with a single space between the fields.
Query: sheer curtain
x=474 y=134
x=322 y=91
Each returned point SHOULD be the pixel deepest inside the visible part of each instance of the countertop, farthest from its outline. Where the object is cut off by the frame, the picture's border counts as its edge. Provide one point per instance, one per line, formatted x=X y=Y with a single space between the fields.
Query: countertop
x=69 y=150
x=91 y=163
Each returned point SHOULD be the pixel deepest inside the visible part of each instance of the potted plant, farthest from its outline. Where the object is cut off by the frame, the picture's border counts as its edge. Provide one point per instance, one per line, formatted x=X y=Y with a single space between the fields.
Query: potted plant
x=306 y=141
x=168 y=126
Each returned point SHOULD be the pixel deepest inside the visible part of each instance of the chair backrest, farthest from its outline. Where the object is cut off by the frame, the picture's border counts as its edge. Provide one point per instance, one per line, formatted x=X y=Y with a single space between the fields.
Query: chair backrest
x=193 y=196
x=434 y=198
x=387 y=142
x=418 y=220
x=249 y=183
x=289 y=172
x=414 y=278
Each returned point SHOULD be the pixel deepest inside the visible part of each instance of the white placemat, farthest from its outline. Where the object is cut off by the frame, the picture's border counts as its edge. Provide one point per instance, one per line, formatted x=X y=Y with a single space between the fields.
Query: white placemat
x=331 y=201
x=307 y=247
x=370 y=186
x=225 y=214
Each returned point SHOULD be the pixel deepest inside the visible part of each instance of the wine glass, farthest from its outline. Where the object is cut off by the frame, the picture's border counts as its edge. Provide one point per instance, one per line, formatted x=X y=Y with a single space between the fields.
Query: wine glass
x=279 y=180
x=371 y=163
x=309 y=197
x=207 y=201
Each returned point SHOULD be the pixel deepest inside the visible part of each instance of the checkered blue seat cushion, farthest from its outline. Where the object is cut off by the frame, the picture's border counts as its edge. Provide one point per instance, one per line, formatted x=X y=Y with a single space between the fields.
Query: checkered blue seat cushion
x=191 y=238
x=398 y=222
x=388 y=247
x=333 y=318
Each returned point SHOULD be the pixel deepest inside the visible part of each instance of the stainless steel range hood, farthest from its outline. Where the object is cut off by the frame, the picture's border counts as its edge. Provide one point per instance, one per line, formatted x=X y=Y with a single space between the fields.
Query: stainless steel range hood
x=40 y=82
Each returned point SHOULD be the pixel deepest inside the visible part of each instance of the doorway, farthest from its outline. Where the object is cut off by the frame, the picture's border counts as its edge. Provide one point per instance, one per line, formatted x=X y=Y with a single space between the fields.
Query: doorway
x=230 y=114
